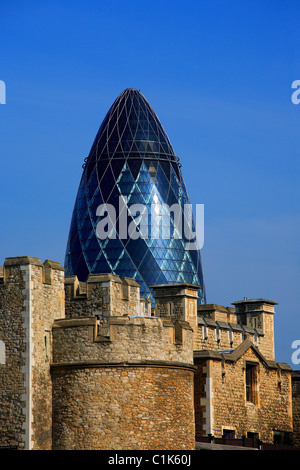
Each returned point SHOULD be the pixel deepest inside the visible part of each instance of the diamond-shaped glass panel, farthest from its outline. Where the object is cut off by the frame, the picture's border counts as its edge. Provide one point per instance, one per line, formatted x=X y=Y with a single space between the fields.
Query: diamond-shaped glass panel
x=132 y=157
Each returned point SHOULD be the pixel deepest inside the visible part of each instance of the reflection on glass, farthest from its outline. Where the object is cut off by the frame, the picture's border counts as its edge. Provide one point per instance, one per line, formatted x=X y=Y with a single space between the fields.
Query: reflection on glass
x=131 y=157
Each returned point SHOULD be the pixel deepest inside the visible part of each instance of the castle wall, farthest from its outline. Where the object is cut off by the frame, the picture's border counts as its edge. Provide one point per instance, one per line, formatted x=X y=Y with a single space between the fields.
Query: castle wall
x=177 y=302
x=132 y=407
x=12 y=336
x=130 y=389
x=220 y=335
x=112 y=374
x=31 y=296
x=222 y=402
x=223 y=328
x=104 y=295
x=296 y=407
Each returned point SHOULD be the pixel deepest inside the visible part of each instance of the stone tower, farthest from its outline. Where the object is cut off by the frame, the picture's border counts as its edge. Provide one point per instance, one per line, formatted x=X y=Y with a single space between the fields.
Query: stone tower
x=31 y=298
x=258 y=314
x=87 y=365
x=122 y=379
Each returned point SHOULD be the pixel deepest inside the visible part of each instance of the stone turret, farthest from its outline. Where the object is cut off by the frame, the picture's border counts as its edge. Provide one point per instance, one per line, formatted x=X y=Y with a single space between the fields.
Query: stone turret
x=103 y=296
x=177 y=301
x=31 y=298
x=258 y=314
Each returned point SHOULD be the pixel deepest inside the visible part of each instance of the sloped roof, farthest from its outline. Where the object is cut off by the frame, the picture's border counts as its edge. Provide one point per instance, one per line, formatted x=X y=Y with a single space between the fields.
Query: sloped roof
x=236 y=354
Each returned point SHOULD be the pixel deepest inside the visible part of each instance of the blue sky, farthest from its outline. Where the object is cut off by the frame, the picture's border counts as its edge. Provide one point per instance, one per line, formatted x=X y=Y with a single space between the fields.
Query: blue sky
x=217 y=73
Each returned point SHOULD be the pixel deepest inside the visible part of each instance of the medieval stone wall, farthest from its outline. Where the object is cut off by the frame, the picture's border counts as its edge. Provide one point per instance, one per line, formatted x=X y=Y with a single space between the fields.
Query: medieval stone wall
x=104 y=295
x=224 y=396
x=12 y=337
x=89 y=365
x=127 y=339
x=220 y=335
x=296 y=407
x=223 y=328
x=130 y=389
x=47 y=299
x=133 y=407
x=31 y=297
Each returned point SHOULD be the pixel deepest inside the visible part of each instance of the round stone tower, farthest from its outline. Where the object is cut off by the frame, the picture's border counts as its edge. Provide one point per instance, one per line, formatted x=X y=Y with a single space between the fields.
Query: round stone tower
x=120 y=381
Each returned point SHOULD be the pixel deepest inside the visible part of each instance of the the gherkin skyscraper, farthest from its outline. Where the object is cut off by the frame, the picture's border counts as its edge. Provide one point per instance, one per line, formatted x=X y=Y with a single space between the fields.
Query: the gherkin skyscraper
x=131 y=163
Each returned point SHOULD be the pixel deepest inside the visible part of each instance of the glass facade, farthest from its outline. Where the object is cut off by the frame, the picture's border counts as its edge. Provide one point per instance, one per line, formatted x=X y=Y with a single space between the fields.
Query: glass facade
x=132 y=161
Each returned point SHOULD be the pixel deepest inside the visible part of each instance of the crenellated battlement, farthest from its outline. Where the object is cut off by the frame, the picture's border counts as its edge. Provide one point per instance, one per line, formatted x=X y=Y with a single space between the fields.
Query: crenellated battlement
x=80 y=362
x=105 y=317
x=47 y=272
x=103 y=296
x=121 y=339
x=101 y=331
x=123 y=364
x=225 y=328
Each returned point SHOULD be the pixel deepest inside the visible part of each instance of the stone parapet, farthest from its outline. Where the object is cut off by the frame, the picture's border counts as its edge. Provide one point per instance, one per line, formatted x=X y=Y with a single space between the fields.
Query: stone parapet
x=121 y=339
x=124 y=384
x=177 y=301
x=103 y=296
x=222 y=335
x=222 y=327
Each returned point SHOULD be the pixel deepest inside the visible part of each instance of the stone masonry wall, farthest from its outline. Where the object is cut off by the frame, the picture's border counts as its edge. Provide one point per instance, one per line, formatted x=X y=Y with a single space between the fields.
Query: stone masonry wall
x=31 y=297
x=127 y=339
x=296 y=407
x=201 y=400
x=47 y=305
x=103 y=295
x=221 y=335
x=12 y=336
x=130 y=389
x=223 y=328
x=133 y=407
x=177 y=301
x=217 y=335
x=272 y=409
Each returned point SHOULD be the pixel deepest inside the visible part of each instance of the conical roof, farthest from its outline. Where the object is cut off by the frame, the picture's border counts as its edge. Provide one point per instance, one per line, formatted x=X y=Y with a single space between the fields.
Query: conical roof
x=131 y=127
x=133 y=160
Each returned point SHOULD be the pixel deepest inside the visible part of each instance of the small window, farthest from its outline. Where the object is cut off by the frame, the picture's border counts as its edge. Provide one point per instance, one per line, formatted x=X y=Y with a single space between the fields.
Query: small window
x=125 y=291
x=169 y=308
x=254 y=321
x=282 y=437
x=48 y=275
x=229 y=433
x=47 y=345
x=251 y=382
